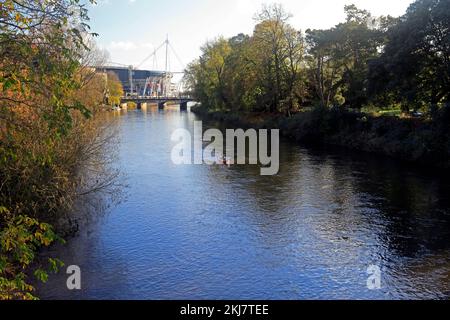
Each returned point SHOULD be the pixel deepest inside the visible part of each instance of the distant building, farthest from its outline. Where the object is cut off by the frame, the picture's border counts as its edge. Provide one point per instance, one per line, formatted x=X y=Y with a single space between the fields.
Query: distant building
x=155 y=83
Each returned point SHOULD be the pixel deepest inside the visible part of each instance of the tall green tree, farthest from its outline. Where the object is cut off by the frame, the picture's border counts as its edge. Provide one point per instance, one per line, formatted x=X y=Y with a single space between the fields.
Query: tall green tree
x=213 y=65
x=269 y=39
x=339 y=58
x=414 y=68
x=326 y=71
x=240 y=74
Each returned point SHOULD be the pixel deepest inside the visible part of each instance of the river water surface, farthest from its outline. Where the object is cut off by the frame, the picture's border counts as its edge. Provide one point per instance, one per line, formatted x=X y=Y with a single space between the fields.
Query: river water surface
x=211 y=232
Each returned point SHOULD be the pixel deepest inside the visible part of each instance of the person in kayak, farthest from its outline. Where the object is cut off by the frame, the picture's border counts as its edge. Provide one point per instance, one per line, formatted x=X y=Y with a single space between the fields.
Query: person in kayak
x=223 y=160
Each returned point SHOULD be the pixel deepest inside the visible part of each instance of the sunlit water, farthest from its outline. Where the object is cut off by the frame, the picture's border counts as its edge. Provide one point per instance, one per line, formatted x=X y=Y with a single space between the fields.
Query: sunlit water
x=212 y=232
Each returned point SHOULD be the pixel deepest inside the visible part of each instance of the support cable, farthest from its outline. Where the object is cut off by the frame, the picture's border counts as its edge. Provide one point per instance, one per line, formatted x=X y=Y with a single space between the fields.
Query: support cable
x=151 y=55
x=177 y=56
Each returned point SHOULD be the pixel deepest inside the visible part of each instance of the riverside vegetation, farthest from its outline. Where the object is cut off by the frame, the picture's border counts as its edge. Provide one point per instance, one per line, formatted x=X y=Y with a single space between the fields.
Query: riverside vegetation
x=378 y=84
x=51 y=132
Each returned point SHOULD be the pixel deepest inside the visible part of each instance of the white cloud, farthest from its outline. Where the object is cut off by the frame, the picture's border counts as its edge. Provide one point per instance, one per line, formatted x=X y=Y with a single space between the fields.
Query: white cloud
x=133 y=52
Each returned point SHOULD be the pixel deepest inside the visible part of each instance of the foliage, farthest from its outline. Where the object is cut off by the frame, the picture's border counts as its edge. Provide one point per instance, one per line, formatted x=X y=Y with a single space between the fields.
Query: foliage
x=339 y=58
x=50 y=131
x=131 y=105
x=414 y=69
x=20 y=238
x=114 y=89
x=320 y=82
x=40 y=53
x=261 y=72
x=381 y=62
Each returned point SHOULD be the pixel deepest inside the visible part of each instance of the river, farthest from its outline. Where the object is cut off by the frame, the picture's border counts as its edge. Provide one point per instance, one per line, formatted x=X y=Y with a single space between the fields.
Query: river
x=212 y=232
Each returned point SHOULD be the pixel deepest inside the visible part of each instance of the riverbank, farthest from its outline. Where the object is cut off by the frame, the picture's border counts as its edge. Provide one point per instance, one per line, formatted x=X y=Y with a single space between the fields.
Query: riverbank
x=413 y=140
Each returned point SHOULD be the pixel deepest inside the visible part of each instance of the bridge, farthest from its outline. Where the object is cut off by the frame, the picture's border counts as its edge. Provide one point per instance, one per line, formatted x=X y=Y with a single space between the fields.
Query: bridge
x=155 y=82
x=160 y=101
x=150 y=86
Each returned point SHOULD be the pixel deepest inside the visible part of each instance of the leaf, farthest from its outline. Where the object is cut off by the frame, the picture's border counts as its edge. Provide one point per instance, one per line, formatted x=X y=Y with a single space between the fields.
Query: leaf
x=8 y=84
x=55 y=264
x=41 y=275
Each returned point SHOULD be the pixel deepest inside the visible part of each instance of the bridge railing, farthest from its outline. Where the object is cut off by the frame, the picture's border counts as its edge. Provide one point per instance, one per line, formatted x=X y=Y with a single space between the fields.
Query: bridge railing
x=156 y=98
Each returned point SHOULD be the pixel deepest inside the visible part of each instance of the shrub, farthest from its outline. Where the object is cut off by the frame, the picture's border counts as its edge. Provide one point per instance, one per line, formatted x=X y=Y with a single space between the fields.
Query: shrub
x=20 y=238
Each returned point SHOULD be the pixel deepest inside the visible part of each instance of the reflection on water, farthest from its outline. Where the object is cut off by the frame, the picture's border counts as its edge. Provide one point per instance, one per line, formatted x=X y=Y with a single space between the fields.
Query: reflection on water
x=211 y=232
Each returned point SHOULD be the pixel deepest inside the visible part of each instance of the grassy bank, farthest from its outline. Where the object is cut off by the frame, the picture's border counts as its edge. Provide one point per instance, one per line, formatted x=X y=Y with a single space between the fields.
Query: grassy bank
x=414 y=140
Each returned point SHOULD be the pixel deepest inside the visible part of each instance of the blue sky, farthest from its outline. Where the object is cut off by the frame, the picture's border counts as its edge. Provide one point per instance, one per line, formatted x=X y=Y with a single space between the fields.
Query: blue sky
x=130 y=29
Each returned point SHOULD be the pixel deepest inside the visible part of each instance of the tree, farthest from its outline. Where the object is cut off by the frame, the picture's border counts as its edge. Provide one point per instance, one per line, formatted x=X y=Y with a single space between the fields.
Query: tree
x=414 y=68
x=262 y=72
x=340 y=57
x=46 y=132
x=211 y=69
x=191 y=80
x=294 y=71
x=269 y=41
x=240 y=74
x=114 y=88
x=40 y=50
x=326 y=71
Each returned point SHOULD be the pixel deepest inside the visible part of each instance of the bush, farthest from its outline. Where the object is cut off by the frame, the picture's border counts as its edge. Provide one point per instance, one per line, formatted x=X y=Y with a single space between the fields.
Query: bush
x=50 y=132
x=20 y=238
x=131 y=105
